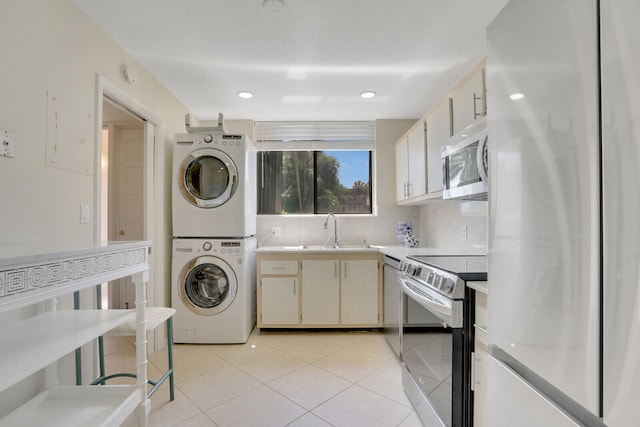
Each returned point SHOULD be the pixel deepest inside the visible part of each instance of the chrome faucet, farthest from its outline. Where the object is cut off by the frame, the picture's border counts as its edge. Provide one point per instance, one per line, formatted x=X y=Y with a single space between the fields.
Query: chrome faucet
x=335 y=228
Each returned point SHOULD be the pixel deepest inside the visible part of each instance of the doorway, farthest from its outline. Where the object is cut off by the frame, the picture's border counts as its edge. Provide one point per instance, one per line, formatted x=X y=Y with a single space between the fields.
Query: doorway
x=122 y=181
x=155 y=216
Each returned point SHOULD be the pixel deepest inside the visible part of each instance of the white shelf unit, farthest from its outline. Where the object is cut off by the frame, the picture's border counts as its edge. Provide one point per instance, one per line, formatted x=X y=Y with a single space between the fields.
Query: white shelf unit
x=39 y=341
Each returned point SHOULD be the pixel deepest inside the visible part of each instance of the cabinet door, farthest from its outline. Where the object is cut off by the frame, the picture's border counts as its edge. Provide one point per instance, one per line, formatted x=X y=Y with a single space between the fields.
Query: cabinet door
x=359 y=292
x=417 y=161
x=438 y=134
x=320 y=295
x=402 y=169
x=469 y=102
x=479 y=385
x=279 y=296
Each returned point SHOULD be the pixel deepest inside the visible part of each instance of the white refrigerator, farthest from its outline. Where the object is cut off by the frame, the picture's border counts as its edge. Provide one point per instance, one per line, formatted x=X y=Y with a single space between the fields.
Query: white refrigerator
x=564 y=213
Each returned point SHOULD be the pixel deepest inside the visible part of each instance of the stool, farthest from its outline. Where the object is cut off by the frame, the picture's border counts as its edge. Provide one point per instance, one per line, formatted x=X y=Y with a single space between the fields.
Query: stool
x=155 y=317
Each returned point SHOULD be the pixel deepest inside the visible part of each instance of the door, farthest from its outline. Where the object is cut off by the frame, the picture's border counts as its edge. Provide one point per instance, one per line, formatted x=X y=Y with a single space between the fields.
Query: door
x=438 y=133
x=279 y=301
x=128 y=198
x=359 y=292
x=207 y=178
x=320 y=292
x=207 y=285
x=621 y=209
x=544 y=221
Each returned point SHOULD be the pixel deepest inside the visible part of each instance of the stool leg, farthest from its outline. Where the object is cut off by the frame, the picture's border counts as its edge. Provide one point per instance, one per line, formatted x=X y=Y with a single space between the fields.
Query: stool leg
x=170 y=355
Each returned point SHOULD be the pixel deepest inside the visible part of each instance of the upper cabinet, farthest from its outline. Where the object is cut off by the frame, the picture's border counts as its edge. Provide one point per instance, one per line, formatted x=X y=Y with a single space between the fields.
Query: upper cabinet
x=469 y=101
x=419 y=150
x=438 y=134
x=411 y=156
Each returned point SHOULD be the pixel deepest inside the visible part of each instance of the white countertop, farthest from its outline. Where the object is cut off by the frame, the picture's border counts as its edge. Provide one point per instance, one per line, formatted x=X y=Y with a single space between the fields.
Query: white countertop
x=17 y=254
x=396 y=251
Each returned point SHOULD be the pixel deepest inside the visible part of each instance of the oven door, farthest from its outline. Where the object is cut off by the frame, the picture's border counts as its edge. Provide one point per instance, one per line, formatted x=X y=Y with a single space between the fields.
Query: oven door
x=448 y=310
x=434 y=367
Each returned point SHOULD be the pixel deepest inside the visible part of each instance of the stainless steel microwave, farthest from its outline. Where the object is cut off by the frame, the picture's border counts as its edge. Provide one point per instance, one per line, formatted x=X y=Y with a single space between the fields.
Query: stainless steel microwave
x=465 y=165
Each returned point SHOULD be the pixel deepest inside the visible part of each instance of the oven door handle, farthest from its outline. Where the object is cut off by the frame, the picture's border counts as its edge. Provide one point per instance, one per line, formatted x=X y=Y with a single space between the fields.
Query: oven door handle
x=449 y=311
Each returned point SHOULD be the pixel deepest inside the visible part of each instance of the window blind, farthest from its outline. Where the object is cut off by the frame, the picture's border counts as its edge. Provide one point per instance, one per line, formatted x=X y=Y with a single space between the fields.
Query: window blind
x=309 y=136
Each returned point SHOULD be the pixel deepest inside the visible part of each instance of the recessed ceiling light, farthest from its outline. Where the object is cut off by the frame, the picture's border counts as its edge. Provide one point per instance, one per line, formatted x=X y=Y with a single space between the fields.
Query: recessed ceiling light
x=516 y=96
x=367 y=94
x=245 y=95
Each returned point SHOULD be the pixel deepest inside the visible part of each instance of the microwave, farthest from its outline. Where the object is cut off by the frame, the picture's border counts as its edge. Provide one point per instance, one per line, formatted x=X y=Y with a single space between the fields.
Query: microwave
x=465 y=164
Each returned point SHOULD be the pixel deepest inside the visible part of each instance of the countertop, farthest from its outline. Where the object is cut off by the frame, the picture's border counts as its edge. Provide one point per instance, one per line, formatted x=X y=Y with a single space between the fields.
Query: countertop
x=395 y=251
x=18 y=254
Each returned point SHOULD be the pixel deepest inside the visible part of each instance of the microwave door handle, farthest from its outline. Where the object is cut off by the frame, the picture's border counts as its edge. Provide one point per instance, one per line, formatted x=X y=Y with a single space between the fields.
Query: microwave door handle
x=480 y=163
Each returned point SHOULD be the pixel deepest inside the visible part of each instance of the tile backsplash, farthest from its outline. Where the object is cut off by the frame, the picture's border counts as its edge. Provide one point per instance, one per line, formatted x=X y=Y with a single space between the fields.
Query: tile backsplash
x=352 y=230
x=444 y=223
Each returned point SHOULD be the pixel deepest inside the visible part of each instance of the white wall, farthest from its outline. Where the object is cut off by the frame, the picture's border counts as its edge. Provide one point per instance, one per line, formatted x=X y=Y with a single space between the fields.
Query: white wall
x=50 y=46
x=379 y=229
x=441 y=224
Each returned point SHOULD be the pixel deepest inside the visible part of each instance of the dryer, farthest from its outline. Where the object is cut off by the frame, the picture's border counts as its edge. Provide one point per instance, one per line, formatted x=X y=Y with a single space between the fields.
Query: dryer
x=213 y=290
x=214 y=185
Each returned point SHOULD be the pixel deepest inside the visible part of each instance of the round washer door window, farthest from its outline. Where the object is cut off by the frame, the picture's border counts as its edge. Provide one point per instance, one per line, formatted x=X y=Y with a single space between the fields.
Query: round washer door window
x=207 y=178
x=207 y=285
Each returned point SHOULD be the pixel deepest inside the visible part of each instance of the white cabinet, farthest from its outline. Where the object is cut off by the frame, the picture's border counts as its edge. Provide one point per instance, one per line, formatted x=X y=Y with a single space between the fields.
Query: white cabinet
x=39 y=341
x=278 y=292
x=279 y=301
x=359 y=292
x=438 y=134
x=480 y=359
x=329 y=288
x=469 y=101
x=320 y=292
x=411 y=157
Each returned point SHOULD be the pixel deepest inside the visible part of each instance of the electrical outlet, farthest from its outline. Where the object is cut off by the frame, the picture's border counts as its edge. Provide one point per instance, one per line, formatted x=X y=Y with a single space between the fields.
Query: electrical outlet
x=276 y=231
x=84 y=214
x=463 y=233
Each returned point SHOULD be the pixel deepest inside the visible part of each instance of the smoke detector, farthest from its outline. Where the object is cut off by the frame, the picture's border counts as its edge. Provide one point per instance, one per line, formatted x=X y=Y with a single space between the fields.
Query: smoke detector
x=273 y=6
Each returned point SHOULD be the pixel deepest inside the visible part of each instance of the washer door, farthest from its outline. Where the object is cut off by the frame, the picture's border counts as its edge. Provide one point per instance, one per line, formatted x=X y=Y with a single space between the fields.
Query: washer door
x=207 y=285
x=207 y=178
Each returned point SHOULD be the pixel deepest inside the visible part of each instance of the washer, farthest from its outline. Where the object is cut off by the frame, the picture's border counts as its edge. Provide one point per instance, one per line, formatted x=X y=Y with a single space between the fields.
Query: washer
x=213 y=290
x=214 y=185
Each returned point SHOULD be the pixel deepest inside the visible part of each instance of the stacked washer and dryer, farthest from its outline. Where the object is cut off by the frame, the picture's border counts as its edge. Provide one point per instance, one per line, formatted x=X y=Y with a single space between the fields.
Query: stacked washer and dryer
x=213 y=285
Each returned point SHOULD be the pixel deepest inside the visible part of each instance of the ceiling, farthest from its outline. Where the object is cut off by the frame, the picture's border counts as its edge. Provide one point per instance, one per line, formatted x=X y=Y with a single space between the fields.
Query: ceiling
x=310 y=61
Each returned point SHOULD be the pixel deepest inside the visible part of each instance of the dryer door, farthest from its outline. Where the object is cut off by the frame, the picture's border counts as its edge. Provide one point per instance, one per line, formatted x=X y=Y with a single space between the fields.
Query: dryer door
x=207 y=178
x=207 y=285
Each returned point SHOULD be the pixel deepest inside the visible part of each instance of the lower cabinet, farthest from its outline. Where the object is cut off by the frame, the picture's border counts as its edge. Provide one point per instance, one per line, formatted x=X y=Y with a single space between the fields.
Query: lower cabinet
x=359 y=292
x=320 y=292
x=280 y=300
x=313 y=290
x=480 y=359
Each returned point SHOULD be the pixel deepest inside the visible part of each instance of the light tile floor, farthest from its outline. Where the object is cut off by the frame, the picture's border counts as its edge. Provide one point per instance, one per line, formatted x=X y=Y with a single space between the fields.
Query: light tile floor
x=343 y=378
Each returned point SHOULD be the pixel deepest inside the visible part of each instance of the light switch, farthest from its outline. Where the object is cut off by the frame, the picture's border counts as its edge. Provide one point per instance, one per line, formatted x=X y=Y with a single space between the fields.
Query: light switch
x=7 y=143
x=84 y=214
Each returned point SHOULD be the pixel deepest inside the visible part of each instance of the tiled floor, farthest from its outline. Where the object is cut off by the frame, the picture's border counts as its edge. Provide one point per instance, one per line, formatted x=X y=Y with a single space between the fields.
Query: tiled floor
x=277 y=379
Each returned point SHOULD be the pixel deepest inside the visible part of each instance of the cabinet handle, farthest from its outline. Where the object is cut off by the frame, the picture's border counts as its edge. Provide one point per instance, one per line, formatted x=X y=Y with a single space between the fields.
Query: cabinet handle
x=473 y=370
x=451 y=127
x=294 y=286
x=409 y=189
x=476 y=114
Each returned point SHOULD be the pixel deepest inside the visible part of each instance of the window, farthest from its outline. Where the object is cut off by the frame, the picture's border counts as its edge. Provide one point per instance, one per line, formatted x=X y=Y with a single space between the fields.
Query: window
x=309 y=182
x=315 y=168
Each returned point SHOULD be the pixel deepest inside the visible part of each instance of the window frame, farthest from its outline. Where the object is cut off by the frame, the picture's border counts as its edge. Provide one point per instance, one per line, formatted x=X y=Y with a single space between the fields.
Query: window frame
x=316 y=211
